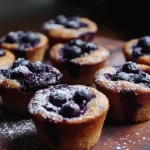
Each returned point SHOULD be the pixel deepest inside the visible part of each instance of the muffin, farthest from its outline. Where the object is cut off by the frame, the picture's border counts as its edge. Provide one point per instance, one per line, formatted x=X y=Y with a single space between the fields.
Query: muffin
x=128 y=89
x=69 y=117
x=19 y=83
x=28 y=45
x=6 y=58
x=138 y=50
x=78 y=60
x=64 y=29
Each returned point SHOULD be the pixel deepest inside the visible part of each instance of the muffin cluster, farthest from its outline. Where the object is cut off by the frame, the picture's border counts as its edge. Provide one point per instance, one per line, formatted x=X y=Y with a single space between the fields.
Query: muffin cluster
x=72 y=116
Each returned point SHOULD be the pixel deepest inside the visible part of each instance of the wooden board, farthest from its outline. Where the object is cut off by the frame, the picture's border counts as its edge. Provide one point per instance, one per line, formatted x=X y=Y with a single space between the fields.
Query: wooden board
x=16 y=134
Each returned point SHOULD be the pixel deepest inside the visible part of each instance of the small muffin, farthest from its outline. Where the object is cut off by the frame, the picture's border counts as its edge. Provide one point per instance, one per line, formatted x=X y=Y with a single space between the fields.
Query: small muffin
x=19 y=83
x=29 y=45
x=6 y=58
x=138 y=50
x=64 y=29
x=69 y=117
x=128 y=90
x=78 y=61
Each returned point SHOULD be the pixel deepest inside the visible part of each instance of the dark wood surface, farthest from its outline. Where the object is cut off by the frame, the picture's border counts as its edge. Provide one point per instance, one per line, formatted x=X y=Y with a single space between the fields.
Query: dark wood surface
x=20 y=134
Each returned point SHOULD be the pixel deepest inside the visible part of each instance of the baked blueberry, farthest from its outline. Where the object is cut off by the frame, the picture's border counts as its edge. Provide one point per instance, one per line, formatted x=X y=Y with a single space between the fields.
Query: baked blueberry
x=58 y=98
x=70 y=110
x=5 y=73
x=108 y=76
x=77 y=42
x=51 y=22
x=82 y=24
x=90 y=46
x=144 y=42
x=38 y=67
x=137 y=52
x=57 y=101
x=72 y=24
x=20 y=72
x=142 y=78
x=2 y=52
x=61 y=19
x=30 y=37
x=130 y=67
x=121 y=76
x=11 y=37
x=82 y=95
x=72 y=52
x=20 y=61
x=76 y=18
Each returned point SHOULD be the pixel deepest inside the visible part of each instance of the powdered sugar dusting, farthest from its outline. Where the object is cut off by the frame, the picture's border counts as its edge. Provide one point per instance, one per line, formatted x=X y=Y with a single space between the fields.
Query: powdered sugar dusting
x=123 y=141
x=48 y=26
x=16 y=128
x=18 y=134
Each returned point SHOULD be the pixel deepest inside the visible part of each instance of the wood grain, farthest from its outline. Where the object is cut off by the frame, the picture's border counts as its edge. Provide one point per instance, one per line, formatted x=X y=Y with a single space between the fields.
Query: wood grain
x=17 y=134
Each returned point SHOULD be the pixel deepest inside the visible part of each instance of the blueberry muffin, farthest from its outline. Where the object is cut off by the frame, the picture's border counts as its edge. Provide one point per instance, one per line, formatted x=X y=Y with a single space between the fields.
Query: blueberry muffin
x=69 y=117
x=19 y=83
x=6 y=58
x=64 y=29
x=78 y=60
x=128 y=90
x=29 y=45
x=138 y=50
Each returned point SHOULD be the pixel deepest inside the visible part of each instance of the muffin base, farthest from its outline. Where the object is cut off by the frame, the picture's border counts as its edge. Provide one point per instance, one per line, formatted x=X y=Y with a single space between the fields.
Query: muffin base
x=14 y=100
x=78 y=133
x=129 y=102
x=83 y=74
x=88 y=137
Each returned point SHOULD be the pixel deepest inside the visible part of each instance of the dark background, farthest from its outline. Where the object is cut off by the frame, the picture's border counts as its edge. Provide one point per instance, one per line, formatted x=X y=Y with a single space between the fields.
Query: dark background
x=116 y=18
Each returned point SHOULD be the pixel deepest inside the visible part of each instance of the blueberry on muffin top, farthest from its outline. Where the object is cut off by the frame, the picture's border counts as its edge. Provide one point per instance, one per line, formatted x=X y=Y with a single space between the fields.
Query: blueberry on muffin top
x=77 y=48
x=130 y=72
